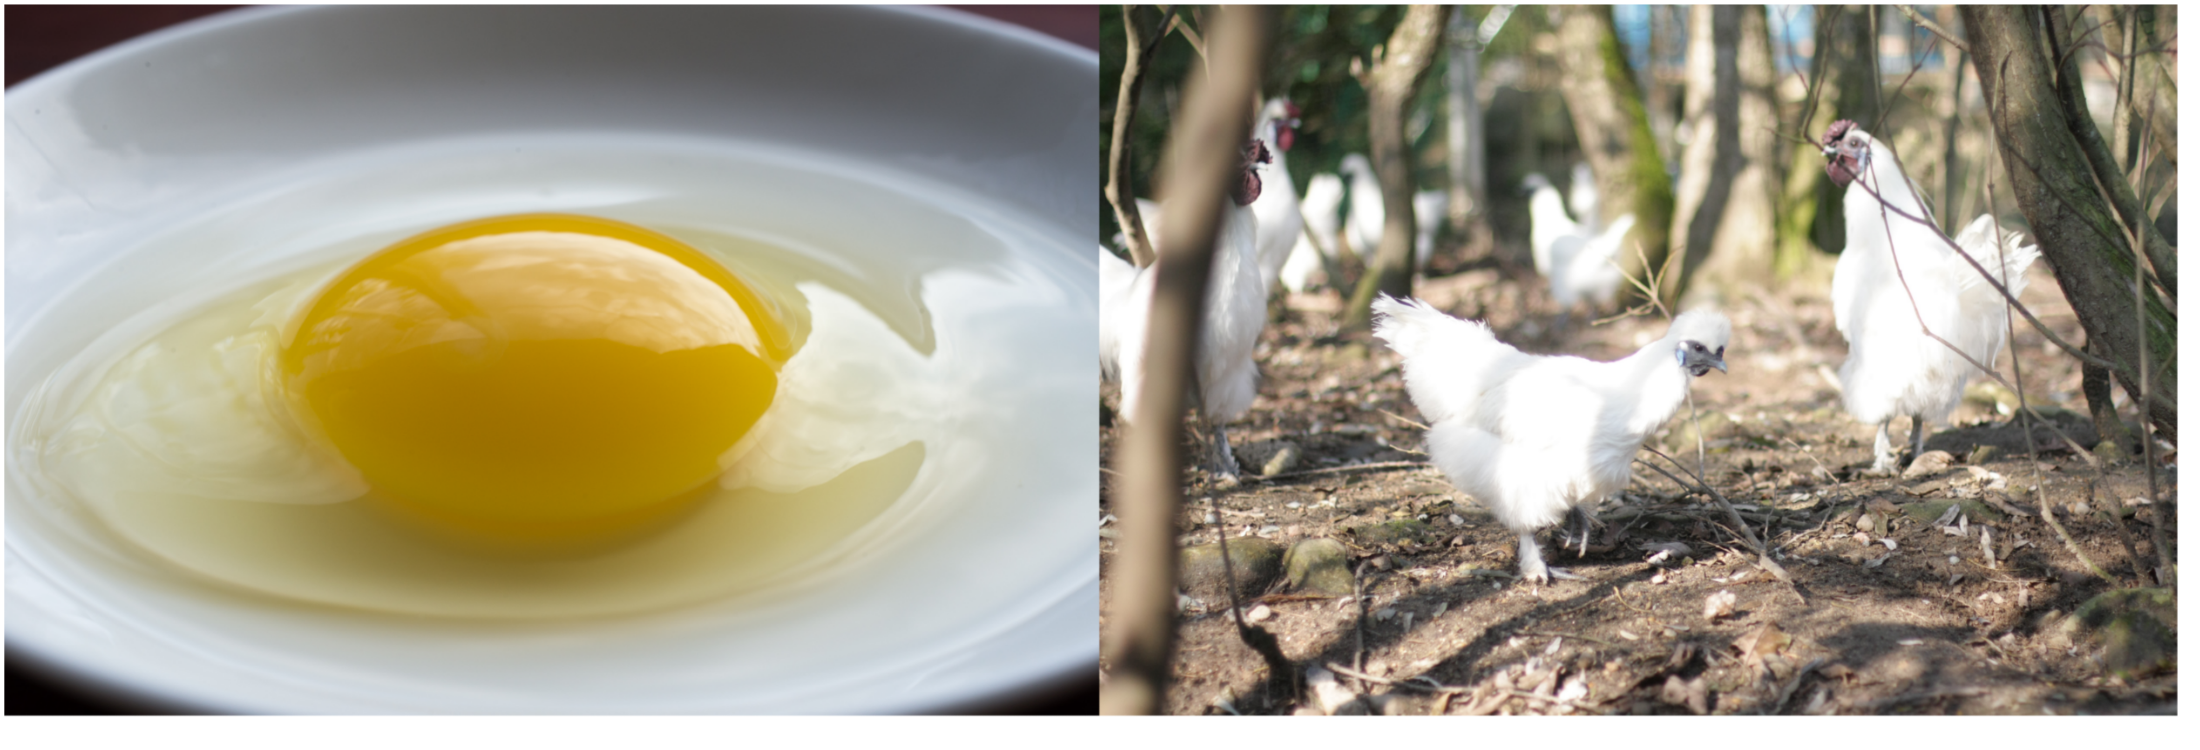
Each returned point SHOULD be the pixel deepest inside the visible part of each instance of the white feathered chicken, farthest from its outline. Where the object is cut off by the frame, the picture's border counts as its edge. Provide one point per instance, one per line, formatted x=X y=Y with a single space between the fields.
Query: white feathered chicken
x=1893 y=369
x=1535 y=438
x=1579 y=263
x=1277 y=208
x=1363 y=230
x=1428 y=216
x=1548 y=225
x=1324 y=194
x=1224 y=375
x=1582 y=196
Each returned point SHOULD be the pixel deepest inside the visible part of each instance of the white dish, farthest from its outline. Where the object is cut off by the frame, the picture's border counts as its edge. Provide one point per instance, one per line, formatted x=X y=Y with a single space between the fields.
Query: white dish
x=115 y=153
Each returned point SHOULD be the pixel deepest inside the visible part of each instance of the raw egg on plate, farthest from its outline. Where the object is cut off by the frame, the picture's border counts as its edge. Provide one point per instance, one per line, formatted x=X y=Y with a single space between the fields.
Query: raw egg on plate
x=521 y=416
x=534 y=378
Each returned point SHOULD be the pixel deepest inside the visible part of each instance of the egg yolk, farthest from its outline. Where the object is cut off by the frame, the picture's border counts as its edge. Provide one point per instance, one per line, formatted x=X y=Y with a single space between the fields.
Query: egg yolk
x=534 y=377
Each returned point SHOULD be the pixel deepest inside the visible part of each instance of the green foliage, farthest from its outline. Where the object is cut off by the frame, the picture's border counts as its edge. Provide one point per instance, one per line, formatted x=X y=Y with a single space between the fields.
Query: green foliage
x=1310 y=63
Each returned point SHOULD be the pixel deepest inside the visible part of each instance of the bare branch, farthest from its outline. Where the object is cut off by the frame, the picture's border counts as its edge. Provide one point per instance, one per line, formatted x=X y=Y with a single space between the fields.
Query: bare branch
x=1928 y=25
x=1202 y=151
x=1139 y=52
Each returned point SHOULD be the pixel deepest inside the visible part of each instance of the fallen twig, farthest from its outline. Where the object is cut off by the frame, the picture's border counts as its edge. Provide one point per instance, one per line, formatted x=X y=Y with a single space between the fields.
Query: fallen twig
x=1384 y=466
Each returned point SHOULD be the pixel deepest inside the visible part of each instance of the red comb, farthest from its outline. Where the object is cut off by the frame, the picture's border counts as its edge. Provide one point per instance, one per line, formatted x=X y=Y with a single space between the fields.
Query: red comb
x=1838 y=129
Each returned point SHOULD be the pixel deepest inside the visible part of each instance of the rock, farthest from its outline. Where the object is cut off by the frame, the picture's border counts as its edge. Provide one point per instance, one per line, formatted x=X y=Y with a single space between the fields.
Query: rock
x=1285 y=459
x=2136 y=630
x=1928 y=464
x=1319 y=566
x=2111 y=453
x=1718 y=606
x=1254 y=560
x=1396 y=530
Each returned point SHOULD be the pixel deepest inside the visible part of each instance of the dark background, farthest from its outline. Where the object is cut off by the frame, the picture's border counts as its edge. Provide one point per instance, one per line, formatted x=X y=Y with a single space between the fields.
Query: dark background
x=40 y=37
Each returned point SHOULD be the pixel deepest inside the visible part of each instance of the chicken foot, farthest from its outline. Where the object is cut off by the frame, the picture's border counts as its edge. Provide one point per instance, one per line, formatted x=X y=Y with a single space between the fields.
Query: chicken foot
x=1532 y=567
x=1884 y=461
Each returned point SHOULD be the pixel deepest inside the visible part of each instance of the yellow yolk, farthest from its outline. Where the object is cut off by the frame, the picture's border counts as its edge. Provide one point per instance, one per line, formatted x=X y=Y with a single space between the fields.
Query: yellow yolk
x=534 y=378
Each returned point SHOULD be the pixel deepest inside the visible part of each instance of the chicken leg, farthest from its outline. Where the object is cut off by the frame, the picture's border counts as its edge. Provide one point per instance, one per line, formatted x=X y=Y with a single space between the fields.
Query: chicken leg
x=1220 y=460
x=1532 y=567
x=1884 y=461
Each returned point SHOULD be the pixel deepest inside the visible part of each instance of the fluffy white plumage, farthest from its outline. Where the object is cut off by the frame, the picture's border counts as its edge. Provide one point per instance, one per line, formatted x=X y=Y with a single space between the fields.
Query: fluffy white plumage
x=1277 y=208
x=1318 y=207
x=1587 y=271
x=1893 y=369
x=1548 y=225
x=1363 y=230
x=1236 y=307
x=1582 y=196
x=1577 y=261
x=1428 y=216
x=1536 y=437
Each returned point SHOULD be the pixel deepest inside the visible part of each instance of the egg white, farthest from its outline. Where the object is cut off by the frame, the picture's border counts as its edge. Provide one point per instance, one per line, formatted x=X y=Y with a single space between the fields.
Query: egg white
x=187 y=450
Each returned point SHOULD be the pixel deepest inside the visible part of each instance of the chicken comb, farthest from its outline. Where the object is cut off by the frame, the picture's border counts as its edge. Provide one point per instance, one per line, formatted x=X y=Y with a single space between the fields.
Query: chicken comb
x=1838 y=129
x=1248 y=187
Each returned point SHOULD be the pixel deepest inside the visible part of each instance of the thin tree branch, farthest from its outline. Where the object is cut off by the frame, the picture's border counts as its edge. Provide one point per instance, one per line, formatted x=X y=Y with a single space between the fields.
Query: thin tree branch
x=1138 y=53
x=1928 y=25
x=1204 y=148
x=2107 y=177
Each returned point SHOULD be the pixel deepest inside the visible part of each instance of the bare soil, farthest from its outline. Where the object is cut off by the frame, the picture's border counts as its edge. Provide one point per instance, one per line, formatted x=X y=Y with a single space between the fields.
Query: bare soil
x=1887 y=612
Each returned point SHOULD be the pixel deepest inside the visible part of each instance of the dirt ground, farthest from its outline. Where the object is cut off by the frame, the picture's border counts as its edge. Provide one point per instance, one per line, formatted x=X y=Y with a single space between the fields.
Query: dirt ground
x=1889 y=611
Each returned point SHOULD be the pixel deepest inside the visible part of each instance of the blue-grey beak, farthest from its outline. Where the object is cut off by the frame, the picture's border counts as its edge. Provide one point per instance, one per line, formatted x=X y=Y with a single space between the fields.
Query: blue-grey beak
x=1699 y=360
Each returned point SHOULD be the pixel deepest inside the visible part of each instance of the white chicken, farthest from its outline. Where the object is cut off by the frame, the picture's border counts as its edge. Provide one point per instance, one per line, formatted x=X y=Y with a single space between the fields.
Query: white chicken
x=1225 y=377
x=1578 y=262
x=1588 y=271
x=1277 y=208
x=1324 y=194
x=1582 y=196
x=1363 y=230
x=1428 y=217
x=1548 y=225
x=1893 y=368
x=1536 y=438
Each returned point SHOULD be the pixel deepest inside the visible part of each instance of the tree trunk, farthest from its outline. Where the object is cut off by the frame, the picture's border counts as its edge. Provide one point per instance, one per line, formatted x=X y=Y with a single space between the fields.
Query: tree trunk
x=1390 y=80
x=1846 y=88
x=1463 y=127
x=1599 y=88
x=1724 y=205
x=2077 y=231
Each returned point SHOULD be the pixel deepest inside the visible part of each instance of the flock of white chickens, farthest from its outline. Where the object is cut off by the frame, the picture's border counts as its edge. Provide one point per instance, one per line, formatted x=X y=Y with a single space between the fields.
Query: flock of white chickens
x=1538 y=438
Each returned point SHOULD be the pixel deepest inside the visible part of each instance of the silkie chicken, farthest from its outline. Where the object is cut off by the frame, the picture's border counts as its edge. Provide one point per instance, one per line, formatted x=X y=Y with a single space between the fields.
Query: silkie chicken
x=1582 y=196
x=1577 y=262
x=1428 y=216
x=1363 y=230
x=1224 y=375
x=1536 y=438
x=1277 y=208
x=1324 y=194
x=1893 y=368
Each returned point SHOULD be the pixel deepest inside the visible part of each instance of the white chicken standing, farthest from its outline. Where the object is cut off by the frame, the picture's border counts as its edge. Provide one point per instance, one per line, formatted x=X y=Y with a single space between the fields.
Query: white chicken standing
x=1582 y=196
x=1428 y=217
x=1363 y=230
x=1277 y=208
x=1324 y=194
x=1548 y=224
x=1578 y=262
x=1536 y=438
x=1225 y=378
x=1893 y=368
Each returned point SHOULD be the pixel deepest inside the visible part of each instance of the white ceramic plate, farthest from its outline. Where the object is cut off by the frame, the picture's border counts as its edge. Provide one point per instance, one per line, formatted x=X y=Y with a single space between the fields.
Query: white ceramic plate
x=108 y=155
